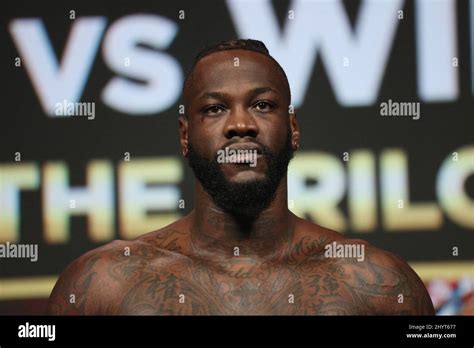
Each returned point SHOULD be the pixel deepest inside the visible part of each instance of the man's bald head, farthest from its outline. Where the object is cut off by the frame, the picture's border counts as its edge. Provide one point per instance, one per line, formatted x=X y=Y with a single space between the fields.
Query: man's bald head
x=241 y=44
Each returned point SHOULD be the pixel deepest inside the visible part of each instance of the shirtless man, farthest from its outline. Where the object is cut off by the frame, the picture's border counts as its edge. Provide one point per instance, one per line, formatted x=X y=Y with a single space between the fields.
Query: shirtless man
x=240 y=251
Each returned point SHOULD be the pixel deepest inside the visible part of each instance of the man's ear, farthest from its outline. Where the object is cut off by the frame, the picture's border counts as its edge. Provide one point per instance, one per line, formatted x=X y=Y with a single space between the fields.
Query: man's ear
x=183 y=134
x=295 y=130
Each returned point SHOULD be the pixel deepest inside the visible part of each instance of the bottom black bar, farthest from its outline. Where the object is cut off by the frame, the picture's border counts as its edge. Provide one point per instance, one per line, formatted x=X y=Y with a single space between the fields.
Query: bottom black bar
x=45 y=330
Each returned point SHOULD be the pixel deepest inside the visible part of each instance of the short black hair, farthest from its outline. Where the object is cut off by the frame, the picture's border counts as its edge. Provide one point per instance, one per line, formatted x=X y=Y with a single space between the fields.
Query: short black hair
x=241 y=44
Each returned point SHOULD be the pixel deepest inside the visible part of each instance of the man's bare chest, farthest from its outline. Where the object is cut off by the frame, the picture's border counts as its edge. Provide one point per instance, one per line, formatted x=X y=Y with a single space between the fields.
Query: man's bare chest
x=240 y=288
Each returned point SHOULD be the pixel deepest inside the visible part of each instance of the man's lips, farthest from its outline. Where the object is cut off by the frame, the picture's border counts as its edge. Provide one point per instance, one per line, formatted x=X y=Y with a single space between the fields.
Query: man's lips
x=248 y=146
x=244 y=153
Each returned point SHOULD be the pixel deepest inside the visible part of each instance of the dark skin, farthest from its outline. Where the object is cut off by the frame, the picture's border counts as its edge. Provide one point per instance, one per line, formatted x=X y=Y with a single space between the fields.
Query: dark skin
x=191 y=266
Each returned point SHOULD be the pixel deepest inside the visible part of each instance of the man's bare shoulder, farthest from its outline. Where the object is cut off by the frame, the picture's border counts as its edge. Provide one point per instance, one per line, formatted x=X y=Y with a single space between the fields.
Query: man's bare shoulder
x=94 y=282
x=375 y=280
x=71 y=294
x=390 y=284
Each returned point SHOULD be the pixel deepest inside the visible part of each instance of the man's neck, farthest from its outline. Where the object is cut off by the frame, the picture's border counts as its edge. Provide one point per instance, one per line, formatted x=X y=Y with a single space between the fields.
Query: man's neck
x=216 y=233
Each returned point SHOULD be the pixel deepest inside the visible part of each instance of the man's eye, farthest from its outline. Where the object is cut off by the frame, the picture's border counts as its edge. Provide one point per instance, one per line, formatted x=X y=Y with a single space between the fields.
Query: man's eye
x=263 y=106
x=214 y=109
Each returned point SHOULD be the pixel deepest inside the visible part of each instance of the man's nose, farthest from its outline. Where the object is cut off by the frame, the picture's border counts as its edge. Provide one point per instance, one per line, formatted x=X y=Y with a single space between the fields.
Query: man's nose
x=240 y=123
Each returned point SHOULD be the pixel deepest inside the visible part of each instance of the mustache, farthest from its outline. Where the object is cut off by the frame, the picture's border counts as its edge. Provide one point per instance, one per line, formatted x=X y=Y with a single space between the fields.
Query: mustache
x=263 y=149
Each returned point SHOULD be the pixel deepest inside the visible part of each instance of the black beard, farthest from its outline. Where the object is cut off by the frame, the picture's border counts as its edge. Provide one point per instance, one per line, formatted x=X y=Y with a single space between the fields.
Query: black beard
x=243 y=200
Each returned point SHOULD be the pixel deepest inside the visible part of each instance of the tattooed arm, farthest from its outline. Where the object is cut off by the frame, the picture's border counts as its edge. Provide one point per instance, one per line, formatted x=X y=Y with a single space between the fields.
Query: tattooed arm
x=379 y=283
x=388 y=285
x=412 y=298
x=84 y=287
